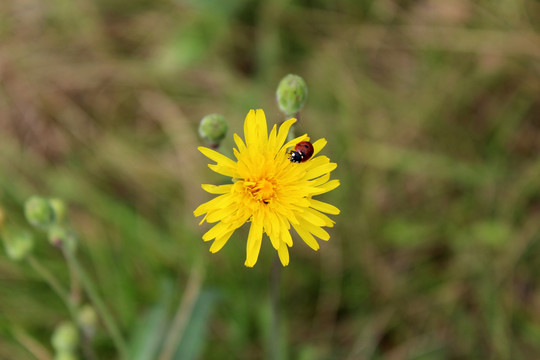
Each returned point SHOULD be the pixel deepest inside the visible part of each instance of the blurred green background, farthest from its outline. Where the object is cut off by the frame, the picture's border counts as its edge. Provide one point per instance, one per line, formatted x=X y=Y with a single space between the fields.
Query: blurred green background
x=432 y=112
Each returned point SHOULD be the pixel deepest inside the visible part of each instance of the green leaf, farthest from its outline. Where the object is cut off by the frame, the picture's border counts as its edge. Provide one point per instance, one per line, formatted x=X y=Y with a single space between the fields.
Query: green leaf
x=149 y=332
x=191 y=346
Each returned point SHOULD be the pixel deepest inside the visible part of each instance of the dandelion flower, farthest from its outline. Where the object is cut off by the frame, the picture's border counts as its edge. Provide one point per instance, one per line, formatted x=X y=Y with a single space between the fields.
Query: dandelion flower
x=269 y=191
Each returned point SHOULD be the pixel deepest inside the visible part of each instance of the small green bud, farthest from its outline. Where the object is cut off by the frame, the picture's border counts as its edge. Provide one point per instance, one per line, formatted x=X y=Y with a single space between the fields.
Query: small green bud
x=17 y=242
x=212 y=129
x=65 y=355
x=60 y=236
x=88 y=320
x=59 y=209
x=65 y=337
x=39 y=212
x=291 y=94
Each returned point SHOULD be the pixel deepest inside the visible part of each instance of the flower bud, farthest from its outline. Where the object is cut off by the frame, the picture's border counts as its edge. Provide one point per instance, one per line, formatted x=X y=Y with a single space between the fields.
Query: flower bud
x=88 y=320
x=60 y=236
x=59 y=209
x=39 y=212
x=291 y=94
x=65 y=337
x=17 y=242
x=212 y=129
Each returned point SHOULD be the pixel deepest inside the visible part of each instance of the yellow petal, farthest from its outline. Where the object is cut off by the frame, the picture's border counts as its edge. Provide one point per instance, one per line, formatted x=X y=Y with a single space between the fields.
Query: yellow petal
x=294 y=199
x=324 y=207
x=272 y=147
x=309 y=215
x=220 y=241
x=250 y=132
x=286 y=237
x=204 y=218
x=329 y=186
x=284 y=131
x=267 y=224
x=312 y=191
x=283 y=223
x=317 y=231
x=218 y=230
x=327 y=221
x=295 y=141
x=272 y=228
x=223 y=170
x=217 y=189
x=284 y=210
x=243 y=169
x=217 y=157
x=284 y=227
x=254 y=243
x=261 y=128
x=307 y=237
x=318 y=146
x=273 y=219
x=242 y=215
x=319 y=181
x=283 y=253
x=320 y=170
x=237 y=155
x=216 y=203
x=317 y=161
x=239 y=143
x=276 y=243
x=220 y=214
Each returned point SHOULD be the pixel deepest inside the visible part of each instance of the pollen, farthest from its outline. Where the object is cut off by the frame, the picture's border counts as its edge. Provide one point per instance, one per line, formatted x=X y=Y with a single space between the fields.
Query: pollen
x=262 y=190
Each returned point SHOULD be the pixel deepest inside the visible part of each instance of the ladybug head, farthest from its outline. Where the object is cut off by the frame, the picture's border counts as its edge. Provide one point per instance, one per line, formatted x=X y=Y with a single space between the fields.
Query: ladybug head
x=296 y=157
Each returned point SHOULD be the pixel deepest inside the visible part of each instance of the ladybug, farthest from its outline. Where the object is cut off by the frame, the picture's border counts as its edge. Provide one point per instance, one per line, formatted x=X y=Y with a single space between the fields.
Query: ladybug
x=302 y=152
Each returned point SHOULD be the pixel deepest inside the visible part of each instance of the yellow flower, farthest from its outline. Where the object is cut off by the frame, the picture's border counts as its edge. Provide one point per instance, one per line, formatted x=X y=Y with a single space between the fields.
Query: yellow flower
x=268 y=190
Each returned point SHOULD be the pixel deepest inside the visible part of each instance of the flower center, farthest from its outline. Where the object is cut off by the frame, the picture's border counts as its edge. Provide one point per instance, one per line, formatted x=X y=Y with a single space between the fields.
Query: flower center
x=261 y=190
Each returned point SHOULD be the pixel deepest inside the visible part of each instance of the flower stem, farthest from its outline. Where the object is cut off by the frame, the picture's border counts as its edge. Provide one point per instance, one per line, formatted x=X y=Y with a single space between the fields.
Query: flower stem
x=54 y=284
x=33 y=346
x=95 y=298
x=274 y=338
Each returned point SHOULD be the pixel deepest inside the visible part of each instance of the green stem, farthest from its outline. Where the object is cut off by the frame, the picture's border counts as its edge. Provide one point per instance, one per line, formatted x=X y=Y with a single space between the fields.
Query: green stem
x=33 y=346
x=54 y=284
x=92 y=293
x=185 y=308
x=275 y=346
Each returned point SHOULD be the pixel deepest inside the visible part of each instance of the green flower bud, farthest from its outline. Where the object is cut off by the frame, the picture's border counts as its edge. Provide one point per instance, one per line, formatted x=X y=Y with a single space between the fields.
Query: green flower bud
x=212 y=129
x=59 y=209
x=291 y=94
x=17 y=242
x=65 y=355
x=60 y=236
x=65 y=337
x=88 y=320
x=39 y=212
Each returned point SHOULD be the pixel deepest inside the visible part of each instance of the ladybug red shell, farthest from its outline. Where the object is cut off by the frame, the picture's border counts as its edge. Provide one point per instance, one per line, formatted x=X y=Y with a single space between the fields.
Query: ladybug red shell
x=302 y=152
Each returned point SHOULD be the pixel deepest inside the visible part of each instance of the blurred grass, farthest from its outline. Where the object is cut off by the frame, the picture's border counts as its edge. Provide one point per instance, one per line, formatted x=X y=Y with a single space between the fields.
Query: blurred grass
x=431 y=110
